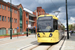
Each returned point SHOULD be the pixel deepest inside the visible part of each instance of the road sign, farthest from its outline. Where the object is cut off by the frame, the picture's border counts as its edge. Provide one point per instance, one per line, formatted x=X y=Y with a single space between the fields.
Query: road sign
x=17 y=27
x=35 y=27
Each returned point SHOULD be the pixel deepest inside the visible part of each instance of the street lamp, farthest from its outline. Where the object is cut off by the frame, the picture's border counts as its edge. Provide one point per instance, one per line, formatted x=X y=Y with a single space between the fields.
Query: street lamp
x=27 y=28
x=67 y=21
x=10 y=19
x=56 y=13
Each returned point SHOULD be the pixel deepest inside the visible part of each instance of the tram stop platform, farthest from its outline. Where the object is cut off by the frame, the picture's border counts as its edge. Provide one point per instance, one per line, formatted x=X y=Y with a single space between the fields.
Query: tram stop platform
x=69 y=44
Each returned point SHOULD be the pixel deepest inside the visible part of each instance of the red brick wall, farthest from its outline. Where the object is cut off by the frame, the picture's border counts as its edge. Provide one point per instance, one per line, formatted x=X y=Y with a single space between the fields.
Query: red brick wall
x=6 y=24
x=35 y=23
x=3 y=12
x=40 y=11
x=34 y=13
x=25 y=19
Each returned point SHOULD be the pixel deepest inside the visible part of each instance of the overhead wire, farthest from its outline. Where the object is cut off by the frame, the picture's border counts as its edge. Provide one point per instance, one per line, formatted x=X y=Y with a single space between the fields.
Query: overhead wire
x=53 y=4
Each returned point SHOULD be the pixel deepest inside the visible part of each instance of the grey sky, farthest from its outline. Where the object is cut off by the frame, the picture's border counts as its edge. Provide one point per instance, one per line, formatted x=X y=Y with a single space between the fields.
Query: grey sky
x=50 y=6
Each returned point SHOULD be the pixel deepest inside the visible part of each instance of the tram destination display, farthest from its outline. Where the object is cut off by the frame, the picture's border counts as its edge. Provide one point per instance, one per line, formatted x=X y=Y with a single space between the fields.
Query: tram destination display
x=45 y=18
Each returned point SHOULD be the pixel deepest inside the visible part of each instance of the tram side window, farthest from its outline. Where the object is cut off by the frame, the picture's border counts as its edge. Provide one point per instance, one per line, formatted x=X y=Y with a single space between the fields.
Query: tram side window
x=55 y=24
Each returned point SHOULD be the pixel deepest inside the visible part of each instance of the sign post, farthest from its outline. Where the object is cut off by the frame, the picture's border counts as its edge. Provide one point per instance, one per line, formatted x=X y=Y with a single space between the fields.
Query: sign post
x=35 y=32
x=17 y=31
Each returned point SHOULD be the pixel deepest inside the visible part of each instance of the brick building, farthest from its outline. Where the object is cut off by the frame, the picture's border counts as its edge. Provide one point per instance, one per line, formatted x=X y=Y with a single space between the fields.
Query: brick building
x=40 y=11
x=5 y=18
x=20 y=18
x=27 y=17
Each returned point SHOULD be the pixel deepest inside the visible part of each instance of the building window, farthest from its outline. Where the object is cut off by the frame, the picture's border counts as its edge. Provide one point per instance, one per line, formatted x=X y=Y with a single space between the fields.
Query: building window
x=8 y=9
x=26 y=15
x=2 y=18
x=5 y=7
x=5 y=18
x=29 y=22
x=30 y=17
x=2 y=6
x=12 y=19
x=26 y=22
x=15 y=20
x=15 y=11
x=39 y=12
x=8 y=19
x=2 y=31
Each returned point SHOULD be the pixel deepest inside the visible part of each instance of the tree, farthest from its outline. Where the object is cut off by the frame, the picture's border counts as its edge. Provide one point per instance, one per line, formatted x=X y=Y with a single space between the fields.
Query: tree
x=71 y=27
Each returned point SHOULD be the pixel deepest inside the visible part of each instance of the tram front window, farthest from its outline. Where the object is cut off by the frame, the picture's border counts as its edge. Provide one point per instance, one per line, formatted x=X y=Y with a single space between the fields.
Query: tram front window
x=45 y=25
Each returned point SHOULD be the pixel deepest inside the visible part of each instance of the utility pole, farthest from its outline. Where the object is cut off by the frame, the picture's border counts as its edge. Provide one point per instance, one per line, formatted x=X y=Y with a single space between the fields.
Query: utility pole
x=67 y=21
x=10 y=19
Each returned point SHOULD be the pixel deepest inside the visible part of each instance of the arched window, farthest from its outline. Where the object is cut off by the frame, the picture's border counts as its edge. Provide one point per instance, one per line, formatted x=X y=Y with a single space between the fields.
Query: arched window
x=9 y=31
x=15 y=30
x=2 y=31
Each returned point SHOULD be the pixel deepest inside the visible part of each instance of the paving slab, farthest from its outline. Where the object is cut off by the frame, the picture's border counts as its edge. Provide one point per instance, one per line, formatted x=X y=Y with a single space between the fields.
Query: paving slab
x=15 y=43
x=69 y=43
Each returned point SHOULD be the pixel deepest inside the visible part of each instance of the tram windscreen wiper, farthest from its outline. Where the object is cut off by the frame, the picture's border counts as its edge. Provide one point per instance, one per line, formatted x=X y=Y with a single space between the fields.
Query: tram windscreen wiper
x=41 y=29
x=43 y=33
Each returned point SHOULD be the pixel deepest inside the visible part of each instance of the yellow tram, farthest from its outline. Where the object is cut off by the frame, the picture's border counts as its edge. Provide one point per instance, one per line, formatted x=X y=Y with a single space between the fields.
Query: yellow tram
x=49 y=29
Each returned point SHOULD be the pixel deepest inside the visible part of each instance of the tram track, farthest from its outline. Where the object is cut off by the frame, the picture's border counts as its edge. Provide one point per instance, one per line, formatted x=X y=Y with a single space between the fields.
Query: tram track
x=49 y=47
x=45 y=47
x=34 y=47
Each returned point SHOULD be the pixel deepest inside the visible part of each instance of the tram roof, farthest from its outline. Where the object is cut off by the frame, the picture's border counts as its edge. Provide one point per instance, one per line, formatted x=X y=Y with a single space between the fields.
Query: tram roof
x=54 y=17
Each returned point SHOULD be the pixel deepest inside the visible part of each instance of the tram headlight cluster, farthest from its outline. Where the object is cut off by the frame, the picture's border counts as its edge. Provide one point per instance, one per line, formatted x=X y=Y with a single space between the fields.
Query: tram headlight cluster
x=38 y=35
x=50 y=35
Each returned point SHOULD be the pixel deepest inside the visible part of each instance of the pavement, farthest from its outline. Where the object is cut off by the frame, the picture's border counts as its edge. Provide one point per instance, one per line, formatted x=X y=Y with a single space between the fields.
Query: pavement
x=69 y=44
x=16 y=43
x=22 y=41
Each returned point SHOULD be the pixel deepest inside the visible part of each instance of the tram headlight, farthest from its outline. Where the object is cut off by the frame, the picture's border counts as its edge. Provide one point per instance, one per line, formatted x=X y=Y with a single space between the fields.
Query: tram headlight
x=50 y=35
x=38 y=35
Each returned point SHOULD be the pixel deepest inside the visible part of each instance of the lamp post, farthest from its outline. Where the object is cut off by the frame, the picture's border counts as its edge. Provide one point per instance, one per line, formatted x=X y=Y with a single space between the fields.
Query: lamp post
x=10 y=19
x=56 y=12
x=67 y=21
x=27 y=28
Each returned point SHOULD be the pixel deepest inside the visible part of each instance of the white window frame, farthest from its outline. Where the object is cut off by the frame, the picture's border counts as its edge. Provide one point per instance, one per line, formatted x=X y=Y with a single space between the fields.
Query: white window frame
x=15 y=11
x=5 y=7
x=5 y=18
x=8 y=19
x=0 y=17
x=8 y=9
x=2 y=6
x=26 y=15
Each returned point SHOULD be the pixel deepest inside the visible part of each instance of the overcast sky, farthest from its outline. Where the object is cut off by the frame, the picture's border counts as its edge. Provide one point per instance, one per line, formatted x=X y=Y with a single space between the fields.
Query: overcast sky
x=50 y=6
